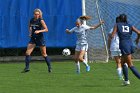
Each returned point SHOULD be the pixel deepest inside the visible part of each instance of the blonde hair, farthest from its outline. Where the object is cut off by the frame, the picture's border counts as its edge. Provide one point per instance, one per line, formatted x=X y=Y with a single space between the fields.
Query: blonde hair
x=40 y=12
x=85 y=17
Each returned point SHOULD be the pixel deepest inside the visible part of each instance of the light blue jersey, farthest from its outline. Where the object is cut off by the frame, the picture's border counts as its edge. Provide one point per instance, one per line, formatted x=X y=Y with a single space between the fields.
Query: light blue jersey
x=81 y=33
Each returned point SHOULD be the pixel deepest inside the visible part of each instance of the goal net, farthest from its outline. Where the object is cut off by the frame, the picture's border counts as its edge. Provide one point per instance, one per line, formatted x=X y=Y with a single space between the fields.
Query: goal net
x=97 y=38
x=108 y=10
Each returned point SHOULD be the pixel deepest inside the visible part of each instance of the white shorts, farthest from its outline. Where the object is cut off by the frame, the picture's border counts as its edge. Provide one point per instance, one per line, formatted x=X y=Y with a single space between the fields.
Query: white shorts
x=81 y=47
x=116 y=53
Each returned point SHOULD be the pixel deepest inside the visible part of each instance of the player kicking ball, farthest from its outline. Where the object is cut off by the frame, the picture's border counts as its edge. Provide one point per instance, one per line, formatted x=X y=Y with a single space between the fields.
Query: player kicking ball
x=82 y=45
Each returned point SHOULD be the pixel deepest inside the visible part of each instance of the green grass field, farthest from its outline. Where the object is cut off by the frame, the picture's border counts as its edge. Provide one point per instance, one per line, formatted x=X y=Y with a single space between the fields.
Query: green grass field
x=101 y=79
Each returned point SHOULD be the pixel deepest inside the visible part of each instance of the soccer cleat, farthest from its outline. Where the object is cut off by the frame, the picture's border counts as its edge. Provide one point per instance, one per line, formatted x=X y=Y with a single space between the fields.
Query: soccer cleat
x=87 y=68
x=25 y=70
x=125 y=83
x=49 y=70
x=78 y=71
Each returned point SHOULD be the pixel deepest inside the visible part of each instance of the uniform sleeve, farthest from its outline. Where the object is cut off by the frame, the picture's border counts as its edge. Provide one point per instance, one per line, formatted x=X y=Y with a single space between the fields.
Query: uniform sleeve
x=72 y=30
x=87 y=27
x=40 y=21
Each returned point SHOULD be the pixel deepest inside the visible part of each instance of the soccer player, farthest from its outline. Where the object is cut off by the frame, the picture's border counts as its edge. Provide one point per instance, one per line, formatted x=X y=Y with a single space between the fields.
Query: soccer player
x=36 y=28
x=124 y=30
x=113 y=45
x=81 y=45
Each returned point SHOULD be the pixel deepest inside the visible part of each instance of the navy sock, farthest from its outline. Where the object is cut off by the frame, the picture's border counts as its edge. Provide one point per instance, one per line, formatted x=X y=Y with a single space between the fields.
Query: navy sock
x=125 y=72
x=48 y=61
x=27 y=61
x=135 y=72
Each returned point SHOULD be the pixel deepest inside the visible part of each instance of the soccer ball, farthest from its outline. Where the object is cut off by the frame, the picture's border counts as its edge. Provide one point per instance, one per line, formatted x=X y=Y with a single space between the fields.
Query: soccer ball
x=66 y=52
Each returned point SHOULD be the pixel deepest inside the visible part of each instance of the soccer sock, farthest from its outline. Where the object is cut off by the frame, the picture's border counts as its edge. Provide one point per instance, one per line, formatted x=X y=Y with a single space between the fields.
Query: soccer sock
x=125 y=72
x=48 y=61
x=78 y=66
x=27 y=61
x=85 y=63
x=135 y=72
x=85 y=57
x=119 y=71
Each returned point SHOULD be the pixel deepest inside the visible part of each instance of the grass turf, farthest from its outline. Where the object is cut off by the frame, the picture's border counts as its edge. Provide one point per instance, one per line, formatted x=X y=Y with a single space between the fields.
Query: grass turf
x=101 y=79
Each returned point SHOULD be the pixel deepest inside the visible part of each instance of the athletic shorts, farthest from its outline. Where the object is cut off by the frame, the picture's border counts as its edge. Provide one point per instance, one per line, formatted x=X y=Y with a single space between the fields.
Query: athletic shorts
x=81 y=47
x=127 y=48
x=115 y=53
x=37 y=41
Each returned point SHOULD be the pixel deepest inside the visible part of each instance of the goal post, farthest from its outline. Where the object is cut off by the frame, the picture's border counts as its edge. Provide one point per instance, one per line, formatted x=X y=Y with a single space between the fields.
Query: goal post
x=98 y=51
x=103 y=33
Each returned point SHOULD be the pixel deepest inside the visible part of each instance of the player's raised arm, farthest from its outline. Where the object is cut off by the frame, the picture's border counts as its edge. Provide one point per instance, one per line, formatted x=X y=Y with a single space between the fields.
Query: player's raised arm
x=85 y=18
x=70 y=31
x=96 y=26
x=114 y=31
x=138 y=33
x=136 y=30
x=137 y=39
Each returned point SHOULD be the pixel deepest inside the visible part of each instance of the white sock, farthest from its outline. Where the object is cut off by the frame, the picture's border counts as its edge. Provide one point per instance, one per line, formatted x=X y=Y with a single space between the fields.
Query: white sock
x=86 y=57
x=85 y=63
x=78 y=66
x=126 y=64
x=119 y=71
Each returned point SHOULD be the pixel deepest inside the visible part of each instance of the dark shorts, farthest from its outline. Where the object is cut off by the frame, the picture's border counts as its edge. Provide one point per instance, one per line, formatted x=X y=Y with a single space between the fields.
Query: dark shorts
x=37 y=41
x=126 y=47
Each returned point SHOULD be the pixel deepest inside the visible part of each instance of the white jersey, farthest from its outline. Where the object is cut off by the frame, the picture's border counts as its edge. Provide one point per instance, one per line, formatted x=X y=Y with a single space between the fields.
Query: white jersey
x=81 y=33
x=114 y=46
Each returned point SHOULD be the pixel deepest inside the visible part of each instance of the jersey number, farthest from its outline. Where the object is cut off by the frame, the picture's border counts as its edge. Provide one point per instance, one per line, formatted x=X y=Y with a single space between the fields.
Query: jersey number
x=125 y=28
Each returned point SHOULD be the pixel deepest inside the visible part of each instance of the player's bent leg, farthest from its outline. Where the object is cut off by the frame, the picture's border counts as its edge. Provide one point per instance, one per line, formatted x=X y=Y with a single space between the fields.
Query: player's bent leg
x=29 y=50
x=81 y=59
x=47 y=59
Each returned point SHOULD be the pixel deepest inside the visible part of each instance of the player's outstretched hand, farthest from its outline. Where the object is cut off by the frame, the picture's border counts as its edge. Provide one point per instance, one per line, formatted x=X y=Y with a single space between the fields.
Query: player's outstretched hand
x=67 y=30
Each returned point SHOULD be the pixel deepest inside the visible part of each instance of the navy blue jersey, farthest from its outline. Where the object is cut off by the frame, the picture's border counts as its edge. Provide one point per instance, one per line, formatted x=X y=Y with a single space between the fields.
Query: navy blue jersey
x=36 y=25
x=124 y=31
x=37 y=39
